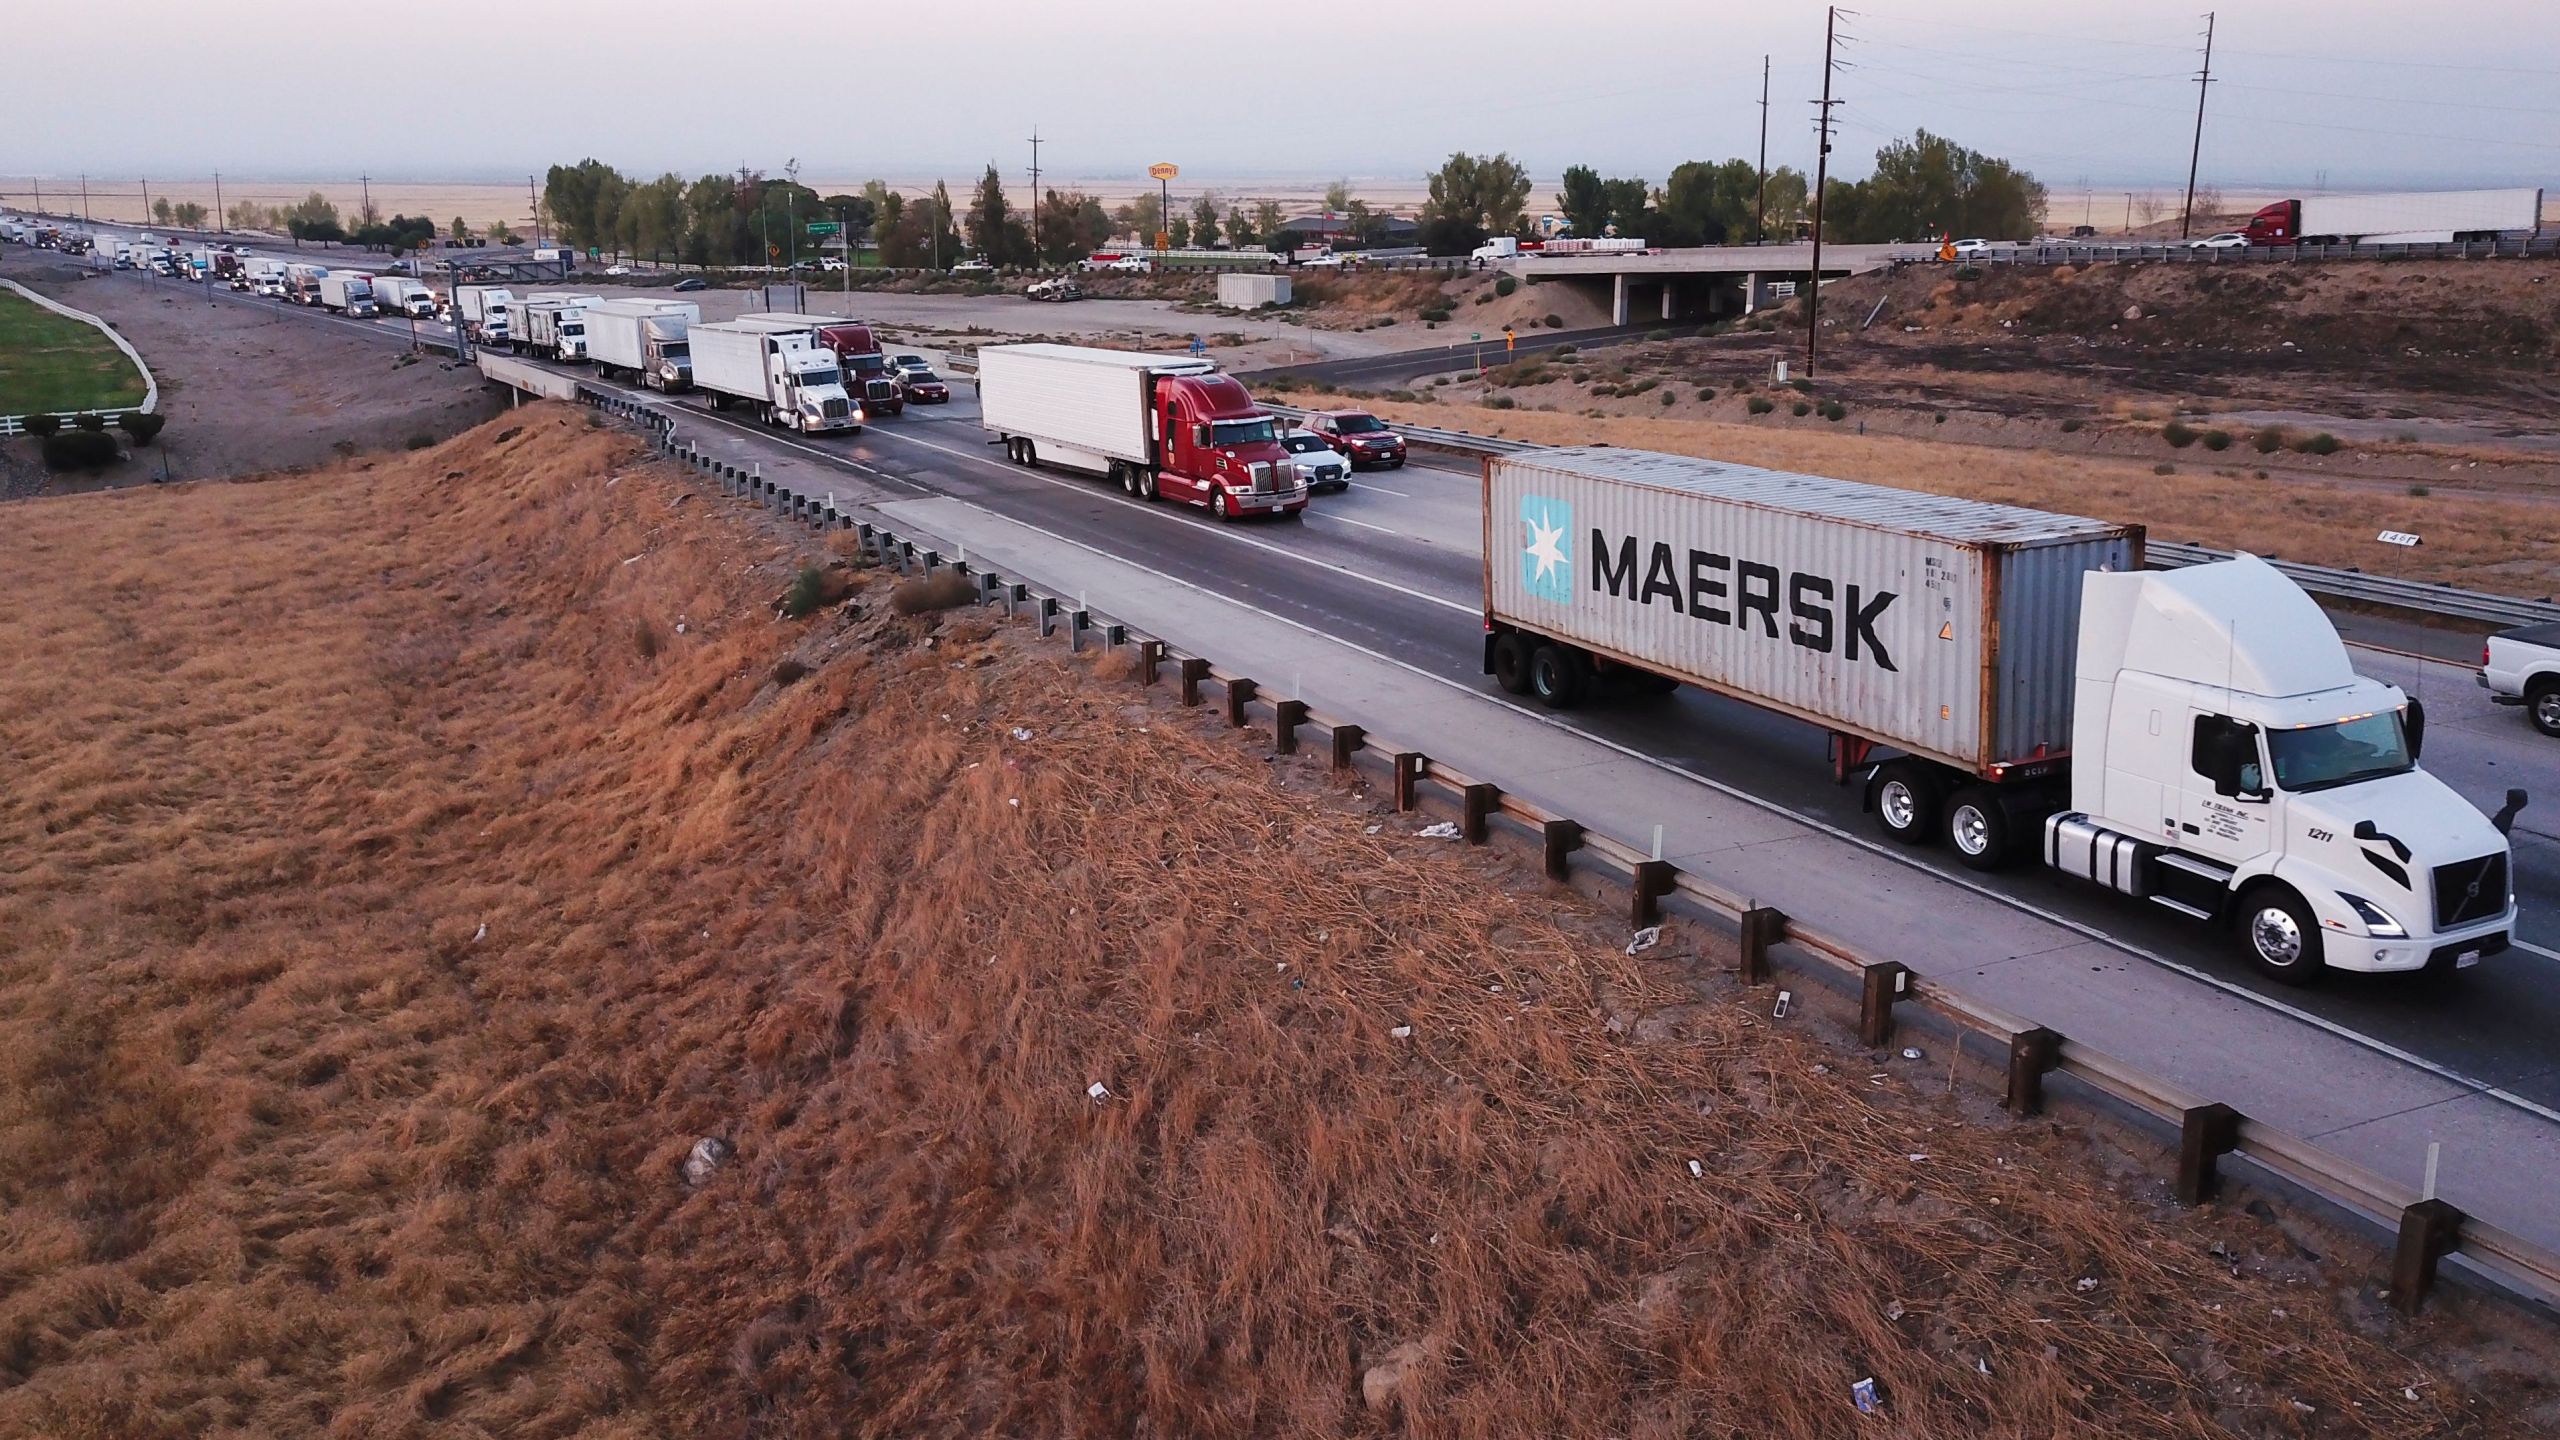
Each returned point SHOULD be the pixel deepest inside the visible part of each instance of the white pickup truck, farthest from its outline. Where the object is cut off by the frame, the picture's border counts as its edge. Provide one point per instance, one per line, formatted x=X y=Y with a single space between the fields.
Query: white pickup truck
x=2522 y=667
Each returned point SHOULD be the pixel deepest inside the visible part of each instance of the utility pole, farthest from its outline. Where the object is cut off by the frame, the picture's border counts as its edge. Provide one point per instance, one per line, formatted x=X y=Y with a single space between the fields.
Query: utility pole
x=1821 y=179
x=1035 y=194
x=2128 y=212
x=146 y=199
x=221 y=222
x=791 y=209
x=2204 y=78
x=844 y=237
x=536 y=202
x=364 y=216
x=39 y=192
x=1760 y=215
x=84 y=199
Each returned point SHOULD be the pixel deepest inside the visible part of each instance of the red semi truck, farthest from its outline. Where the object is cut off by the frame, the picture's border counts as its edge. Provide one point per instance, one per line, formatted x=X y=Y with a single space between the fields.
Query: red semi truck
x=2438 y=217
x=867 y=377
x=1159 y=426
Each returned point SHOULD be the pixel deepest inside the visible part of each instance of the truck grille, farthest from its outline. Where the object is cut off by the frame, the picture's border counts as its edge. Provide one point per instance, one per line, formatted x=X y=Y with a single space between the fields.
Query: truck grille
x=2470 y=890
x=1261 y=473
x=835 y=409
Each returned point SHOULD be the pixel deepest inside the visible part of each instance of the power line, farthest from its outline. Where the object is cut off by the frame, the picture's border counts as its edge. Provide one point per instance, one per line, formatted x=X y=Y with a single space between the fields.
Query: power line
x=1821 y=182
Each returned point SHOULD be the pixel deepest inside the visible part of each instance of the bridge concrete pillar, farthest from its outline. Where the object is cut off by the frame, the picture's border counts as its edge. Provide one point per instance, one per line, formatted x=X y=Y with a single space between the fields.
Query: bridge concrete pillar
x=1618 y=300
x=1667 y=288
x=1750 y=292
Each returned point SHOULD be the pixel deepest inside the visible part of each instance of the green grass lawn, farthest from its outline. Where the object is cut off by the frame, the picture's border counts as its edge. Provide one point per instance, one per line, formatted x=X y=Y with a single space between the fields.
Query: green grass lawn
x=53 y=362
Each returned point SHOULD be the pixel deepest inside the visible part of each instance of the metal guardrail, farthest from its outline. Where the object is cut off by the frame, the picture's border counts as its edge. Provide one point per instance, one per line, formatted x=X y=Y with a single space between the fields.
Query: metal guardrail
x=2425 y=1229
x=2186 y=252
x=2352 y=586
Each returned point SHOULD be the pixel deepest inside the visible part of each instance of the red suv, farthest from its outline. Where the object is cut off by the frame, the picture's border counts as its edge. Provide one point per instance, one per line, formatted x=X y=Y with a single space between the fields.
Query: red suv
x=1359 y=435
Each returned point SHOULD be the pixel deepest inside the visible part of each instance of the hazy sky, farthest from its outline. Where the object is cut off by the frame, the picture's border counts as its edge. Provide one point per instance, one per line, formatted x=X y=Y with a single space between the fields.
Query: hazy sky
x=2358 y=91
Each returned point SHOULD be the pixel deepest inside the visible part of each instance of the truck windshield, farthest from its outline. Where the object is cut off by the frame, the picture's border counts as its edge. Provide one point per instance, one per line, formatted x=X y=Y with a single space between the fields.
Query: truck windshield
x=1245 y=432
x=812 y=379
x=2318 y=757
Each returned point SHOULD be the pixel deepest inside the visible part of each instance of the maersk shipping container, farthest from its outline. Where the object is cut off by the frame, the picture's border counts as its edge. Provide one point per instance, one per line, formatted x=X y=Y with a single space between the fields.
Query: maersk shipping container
x=1942 y=627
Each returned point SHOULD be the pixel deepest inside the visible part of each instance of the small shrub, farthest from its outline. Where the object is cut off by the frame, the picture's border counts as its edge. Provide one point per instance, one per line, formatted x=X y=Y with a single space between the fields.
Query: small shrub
x=2258 y=474
x=79 y=450
x=1833 y=410
x=1744 y=386
x=1435 y=313
x=2420 y=492
x=2164 y=468
x=644 y=638
x=1801 y=407
x=2217 y=440
x=1641 y=386
x=788 y=672
x=941 y=590
x=2268 y=441
x=2323 y=443
x=1938 y=419
x=1500 y=402
x=808 y=591
x=94 y=424
x=1760 y=405
x=1706 y=393
x=420 y=441
x=2405 y=437
x=2072 y=426
x=1555 y=322
x=42 y=426
x=1505 y=284
x=2179 y=436
x=1669 y=396
x=140 y=426
x=1562 y=351
x=1800 y=385
x=1968 y=272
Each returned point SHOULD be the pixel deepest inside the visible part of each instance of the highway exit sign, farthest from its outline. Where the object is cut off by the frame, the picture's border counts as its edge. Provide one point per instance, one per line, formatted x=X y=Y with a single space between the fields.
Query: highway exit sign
x=822 y=227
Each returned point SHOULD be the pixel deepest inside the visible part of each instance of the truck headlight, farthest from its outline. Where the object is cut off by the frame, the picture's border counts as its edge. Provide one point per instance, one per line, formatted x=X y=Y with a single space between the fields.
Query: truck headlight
x=2375 y=918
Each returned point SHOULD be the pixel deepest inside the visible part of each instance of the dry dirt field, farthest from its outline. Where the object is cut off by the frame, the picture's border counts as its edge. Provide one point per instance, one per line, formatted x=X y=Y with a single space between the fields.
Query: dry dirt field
x=250 y=390
x=405 y=865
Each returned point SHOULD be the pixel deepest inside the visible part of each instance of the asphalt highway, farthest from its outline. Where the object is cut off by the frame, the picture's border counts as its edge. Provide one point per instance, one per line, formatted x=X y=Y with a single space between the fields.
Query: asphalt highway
x=1394 y=565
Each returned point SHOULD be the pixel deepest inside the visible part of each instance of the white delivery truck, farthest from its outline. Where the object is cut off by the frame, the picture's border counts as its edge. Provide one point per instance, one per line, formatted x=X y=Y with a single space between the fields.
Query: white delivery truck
x=645 y=339
x=2001 y=678
x=1158 y=426
x=398 y=296
x=481 y=310
x=347 y=292
x=786 y=377
x=552 y=326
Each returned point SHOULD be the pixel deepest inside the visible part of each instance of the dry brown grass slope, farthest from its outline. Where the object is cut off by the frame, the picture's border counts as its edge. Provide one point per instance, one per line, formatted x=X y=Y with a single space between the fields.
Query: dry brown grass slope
x=391 y=892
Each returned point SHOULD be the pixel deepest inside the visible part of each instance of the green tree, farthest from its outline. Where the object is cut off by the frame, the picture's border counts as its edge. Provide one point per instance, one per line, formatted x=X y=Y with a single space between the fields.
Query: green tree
x=1141 y=217
x=249 y=215
x=583 y=201
x=188 y=215
x=999 y=237
x=1629 y=206
x=1929 y=185
x=1473 y=196
x=1068 y=226
x=1180 y=232
x=1240 y=231
x=312 y=218
x=459 y=230
x=1584 y=201
x=1204 y=220
x=1267 y=221
x=160 y=210
x=652 y=220
x=1337 y=197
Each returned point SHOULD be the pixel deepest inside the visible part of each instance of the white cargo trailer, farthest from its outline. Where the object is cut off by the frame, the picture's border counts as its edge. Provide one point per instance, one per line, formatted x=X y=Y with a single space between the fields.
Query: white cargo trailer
x=644 y=338
x=347 y=292
x=551 y=326
x=1252 y=292
x=1159 y=426
x=481 y=310
x=787 y=378
x=1996 y=675
x=2427 y=217
x=399 y=296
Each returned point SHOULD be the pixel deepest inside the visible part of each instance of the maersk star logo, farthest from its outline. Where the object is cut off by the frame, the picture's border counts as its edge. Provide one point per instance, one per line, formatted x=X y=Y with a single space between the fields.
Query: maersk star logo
x=1546 y=552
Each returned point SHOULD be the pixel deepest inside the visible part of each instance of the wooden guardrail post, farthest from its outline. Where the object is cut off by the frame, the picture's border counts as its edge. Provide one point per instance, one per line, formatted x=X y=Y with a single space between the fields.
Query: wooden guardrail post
x=1150 y=660
x=1239 y=691
x=1194 y=670
x=2031 y=1054
x=2206 y=1133
x=1762 y=927
x=1560 y=838
x=1651 y=881
x=1881 y=984
x=1476 y=805
x=1286 y=717
x=1347 y=742
x=2429 y=1231
x=1408 y=770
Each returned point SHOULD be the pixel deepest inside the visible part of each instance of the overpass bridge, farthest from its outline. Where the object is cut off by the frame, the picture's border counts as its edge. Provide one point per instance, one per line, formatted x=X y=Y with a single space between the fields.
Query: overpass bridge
x=1711 y=282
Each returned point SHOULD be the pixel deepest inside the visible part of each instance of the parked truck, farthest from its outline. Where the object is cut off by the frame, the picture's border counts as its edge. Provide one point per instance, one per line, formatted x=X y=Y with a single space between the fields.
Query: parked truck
x=2425 y=217
x=347 y=292
x=2004 y=680
x=481 y=311
x=866 y=369
x=644 y=339
x=784 y=376
x=397 y=295
x=1159 y=426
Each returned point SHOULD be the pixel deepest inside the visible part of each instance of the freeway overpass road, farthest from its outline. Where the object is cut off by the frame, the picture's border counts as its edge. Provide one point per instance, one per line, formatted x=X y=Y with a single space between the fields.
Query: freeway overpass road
x=1393 y=566
x=1404 y=366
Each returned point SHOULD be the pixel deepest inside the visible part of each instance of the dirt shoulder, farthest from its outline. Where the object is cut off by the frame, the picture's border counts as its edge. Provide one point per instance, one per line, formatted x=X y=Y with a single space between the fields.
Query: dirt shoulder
x=251 y=389
x=414 y=865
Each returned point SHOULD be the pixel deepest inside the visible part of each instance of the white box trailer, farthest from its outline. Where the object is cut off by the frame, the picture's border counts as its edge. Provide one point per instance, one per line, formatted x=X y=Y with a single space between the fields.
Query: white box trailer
x=1252 y=292
x=482 y=311
x=347 y=292
x=1939 y=626
x=2420 y=218
x=786 y=377
x=1083 y=407
x=397 y=295
x=644 y=338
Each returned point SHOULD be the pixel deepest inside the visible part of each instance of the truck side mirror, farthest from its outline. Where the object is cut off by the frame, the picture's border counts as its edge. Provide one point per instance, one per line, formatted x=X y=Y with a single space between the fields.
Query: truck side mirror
x=1200 y=436
x=2415 y=724
x=2505 y=819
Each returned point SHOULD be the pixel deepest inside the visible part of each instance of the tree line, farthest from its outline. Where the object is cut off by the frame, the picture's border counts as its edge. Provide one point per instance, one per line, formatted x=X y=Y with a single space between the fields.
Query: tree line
x=314 y=218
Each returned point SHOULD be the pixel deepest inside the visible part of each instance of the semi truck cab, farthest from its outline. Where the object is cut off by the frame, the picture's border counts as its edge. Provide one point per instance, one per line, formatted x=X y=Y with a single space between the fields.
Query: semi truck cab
x=1217 y=448
x=809 y=386
x=2230 y=764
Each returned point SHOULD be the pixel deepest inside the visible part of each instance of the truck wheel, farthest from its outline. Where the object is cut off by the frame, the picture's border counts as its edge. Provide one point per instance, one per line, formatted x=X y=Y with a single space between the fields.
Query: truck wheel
x=1121 y=477
x=1906 y=803
x=1511 y=662
x=2542 y=702
x=1558 y=676
x=1223 y=502
x=1030 y=456
x=1978 y=828
x=2279 y=937
x=1146 y=484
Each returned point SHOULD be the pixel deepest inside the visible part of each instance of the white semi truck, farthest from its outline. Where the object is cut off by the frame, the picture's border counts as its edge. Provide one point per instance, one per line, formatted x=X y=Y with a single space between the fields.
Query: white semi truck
x=786 y=377
x=347 y=292
x=2004 y=680
x=643 y=338
x=551 y=325
x=481 y=310
x=397 y=295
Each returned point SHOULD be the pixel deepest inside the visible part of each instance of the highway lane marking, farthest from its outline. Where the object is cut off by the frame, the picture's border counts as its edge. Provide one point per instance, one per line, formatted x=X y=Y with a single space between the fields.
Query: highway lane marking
x=2536 y=949
x=1381 y=489
x=1877 y=848
x=1314 y=514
